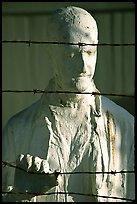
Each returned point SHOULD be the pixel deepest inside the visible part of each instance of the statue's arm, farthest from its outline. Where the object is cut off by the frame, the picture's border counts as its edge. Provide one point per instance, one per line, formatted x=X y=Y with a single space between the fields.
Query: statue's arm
x=25 y=173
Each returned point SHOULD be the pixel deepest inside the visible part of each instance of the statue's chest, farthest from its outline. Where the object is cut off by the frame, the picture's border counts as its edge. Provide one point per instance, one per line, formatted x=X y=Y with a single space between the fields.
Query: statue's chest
x=70 y=131
x=69 y=121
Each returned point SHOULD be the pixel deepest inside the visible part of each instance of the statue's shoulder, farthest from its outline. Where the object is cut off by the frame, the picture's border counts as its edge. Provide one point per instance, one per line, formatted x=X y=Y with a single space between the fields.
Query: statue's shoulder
x=23 y=117
x=118 y=112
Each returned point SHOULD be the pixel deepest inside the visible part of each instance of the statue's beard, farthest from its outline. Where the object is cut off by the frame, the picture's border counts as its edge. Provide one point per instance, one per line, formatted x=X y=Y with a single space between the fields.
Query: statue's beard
x=80 y=84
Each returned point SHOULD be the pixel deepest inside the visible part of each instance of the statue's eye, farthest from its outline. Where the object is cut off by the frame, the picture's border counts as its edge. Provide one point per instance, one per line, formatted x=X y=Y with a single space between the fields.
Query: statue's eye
x=89 y=52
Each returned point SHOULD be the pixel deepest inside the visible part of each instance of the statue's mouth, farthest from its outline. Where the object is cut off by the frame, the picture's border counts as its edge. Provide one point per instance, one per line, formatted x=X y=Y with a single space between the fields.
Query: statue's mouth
x=81 y=76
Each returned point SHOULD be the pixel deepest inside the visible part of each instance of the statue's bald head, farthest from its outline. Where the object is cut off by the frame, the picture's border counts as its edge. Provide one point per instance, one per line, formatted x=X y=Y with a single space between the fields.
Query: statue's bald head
x=71 y=20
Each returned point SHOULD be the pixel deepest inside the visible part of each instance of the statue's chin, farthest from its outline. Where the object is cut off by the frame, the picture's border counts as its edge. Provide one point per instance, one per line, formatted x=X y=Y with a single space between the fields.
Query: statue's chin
x=81 y=84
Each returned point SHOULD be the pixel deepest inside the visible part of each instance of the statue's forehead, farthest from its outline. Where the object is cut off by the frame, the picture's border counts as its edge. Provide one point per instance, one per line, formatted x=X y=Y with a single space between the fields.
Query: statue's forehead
x=84 y=35
x=77 y=34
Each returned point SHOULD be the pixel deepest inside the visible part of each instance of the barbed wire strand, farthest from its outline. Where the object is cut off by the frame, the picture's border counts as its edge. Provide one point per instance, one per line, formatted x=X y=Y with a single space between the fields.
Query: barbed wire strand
x=75 y=92
x=29 y=42
x=5 y=163
x=68 y=193
x=56 y=173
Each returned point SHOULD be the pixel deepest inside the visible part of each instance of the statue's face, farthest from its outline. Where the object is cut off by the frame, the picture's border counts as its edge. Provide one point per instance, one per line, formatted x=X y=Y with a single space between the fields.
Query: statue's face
x=75 y=65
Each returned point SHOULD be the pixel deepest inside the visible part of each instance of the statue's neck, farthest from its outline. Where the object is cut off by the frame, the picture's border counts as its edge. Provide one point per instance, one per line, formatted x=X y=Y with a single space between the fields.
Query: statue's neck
x=72 y=100
x=68 y=99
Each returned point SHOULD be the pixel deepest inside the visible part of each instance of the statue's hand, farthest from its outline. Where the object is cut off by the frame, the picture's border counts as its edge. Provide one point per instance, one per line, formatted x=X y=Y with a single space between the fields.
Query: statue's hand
x=32 y=164
x=32 y=175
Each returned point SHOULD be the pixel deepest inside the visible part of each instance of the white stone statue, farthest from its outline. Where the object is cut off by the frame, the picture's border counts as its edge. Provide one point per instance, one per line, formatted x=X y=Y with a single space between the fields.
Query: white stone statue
x=70 y=132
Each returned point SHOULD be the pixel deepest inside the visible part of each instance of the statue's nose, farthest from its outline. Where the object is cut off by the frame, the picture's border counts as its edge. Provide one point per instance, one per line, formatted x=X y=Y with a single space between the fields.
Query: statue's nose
x=82 y=64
